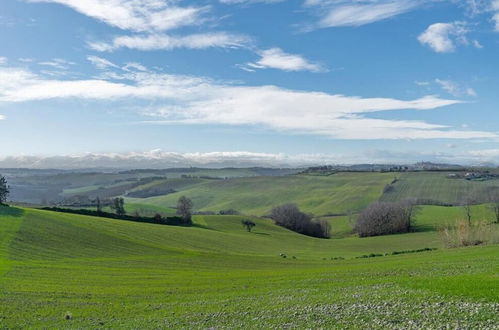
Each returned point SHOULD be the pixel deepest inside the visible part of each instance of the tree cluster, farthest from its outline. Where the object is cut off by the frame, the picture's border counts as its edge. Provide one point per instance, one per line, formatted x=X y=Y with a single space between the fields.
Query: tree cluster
x=118 y=206
x=4 y=190
x=290 y=216
x=382 y=218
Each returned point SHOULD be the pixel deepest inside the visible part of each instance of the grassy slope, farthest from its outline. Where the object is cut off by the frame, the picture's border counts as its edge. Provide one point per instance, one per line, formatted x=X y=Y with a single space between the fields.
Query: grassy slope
x=123 y=274
x=436 y=186
x=338 y=193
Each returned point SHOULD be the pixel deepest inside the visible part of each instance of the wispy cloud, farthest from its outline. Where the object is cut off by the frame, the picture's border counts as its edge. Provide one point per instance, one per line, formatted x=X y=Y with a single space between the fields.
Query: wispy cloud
x=168 y=42
x=232 y=2
x=335 y=13
x=101 y=63
x=3 y=60
x=58 y=63
x=196 y=100
x=455 y=89
x=275 y=58
x=138 y=16
x=445 y=37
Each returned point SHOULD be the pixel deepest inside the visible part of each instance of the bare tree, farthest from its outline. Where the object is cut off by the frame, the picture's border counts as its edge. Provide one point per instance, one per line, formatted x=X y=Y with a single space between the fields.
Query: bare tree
x=4 y=190
x=411 y=209
x=290 y=216
x=494 y=204
x=467 y=203
x=381 y=218
x=184 y=209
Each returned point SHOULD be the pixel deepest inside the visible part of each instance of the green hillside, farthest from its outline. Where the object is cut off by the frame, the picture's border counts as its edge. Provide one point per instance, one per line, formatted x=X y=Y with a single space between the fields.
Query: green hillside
x=437 y=187
x=321 y=195
x=69 y=271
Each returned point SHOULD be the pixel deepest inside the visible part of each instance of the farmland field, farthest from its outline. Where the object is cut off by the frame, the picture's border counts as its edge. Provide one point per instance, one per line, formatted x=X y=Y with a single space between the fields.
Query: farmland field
x=321 y=195
x=437 y=187
x=60 y=270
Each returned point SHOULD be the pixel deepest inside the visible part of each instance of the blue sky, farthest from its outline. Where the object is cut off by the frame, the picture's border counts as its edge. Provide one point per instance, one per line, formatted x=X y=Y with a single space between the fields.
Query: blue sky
x=331 y=81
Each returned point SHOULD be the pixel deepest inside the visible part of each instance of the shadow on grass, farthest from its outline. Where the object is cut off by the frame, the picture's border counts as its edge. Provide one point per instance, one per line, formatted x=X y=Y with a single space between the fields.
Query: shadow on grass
x=10 y=211
x=265 y=234
x=423 y=228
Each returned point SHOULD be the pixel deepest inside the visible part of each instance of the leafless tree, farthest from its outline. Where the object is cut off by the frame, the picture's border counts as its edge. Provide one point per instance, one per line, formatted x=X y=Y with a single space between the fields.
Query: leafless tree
x=184 y=209
x=467 y=204
x=381 y=218
x=290 y=216
x=494 y=204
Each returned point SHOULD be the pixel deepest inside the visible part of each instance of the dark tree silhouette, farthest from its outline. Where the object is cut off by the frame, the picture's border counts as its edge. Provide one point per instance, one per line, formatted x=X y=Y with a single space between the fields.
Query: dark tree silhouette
x=118 y=205
x=184 y=209
x=4 y=190
x=248 y=224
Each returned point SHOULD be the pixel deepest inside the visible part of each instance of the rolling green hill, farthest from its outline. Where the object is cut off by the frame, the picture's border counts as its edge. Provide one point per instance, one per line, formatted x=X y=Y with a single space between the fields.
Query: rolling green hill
x=321 y=195
x=70 y=271
x=436 y=187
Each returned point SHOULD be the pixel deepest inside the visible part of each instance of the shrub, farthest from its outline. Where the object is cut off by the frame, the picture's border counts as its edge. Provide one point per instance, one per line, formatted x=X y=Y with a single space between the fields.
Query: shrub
x=289 y=216
x=229 y=212
x=465 y=233
x=381 y=218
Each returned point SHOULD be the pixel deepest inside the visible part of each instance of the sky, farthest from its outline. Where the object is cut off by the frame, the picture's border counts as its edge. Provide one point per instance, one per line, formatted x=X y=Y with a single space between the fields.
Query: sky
x=283 y=81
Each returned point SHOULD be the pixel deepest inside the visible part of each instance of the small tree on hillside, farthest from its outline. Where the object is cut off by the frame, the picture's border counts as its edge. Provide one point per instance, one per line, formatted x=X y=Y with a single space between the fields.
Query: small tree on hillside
x=467 y=203
x=4 y=190
x=98 y=205
x=118 y=205
x=184 y=209
x=248 y=224
x=494 y=204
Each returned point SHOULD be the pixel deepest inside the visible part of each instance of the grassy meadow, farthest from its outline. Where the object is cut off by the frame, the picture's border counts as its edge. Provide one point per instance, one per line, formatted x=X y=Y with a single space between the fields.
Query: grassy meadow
x=437 y=187
x=322 y=195
x=70 y=271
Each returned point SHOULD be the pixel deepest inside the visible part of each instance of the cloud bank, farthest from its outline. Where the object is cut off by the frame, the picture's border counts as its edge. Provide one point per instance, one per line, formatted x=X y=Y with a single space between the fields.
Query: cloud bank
x=198 y=100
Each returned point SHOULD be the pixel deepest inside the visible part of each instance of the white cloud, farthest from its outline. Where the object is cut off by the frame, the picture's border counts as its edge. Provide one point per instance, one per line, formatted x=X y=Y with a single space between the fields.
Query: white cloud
x=444 y=37
x=136 y=15
x=193 y=100
x=163 y=159
x=232 y=2
x=220 y=159
x=58 y=63
x=335 y=13
x=101 y=63
x=2 y=117
x=455 y=89
x=495 y=18
x=3 y=60
x=275 y=58
x=167 y=42
x=134 y=66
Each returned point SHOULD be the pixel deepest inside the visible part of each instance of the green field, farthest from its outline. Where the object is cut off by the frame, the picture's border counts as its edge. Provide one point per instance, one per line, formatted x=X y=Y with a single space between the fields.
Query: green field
x=105 y=273
x=335 y=194
x=437 y=187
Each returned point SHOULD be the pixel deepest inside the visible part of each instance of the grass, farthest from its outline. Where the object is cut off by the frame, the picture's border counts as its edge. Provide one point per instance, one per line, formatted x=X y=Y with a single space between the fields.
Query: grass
x=336 y=194
x=117 y=274
x=435 y=186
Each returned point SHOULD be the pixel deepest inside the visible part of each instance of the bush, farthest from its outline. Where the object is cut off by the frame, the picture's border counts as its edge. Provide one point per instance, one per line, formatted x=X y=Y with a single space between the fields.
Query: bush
x=290 y=217
x=229 y=212
x=469 y=234
x=382 y=218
